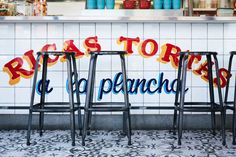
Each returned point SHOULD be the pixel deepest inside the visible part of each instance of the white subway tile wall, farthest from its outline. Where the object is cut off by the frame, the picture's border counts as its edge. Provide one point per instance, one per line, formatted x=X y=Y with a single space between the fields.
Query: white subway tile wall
x=71 y=30
x=103 y=30
x=215 y=31
x=167 y=31
x=7 y=31
x=87 y=30
x=7 y=46
x=22 y=46
x=18 y=38
x=22 y=31
x=55 y=30
x=199 y=31
x=39 y=30
x=183 y=30
x=135 y=30
x=119 y=29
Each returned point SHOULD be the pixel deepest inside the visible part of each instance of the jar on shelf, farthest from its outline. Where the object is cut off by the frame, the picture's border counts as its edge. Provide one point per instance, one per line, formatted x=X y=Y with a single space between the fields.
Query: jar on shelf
x=208 y=3
x=44 y=7
x=214 y=4
x=40 y=8
x=202 y=4
x=196 y=3
x=224 y=4
x=129 y=4
x=29 y=8
x=144 y=4
x=232 y=3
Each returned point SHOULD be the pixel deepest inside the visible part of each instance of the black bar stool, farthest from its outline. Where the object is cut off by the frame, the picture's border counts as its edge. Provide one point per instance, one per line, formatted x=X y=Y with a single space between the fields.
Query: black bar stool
x=55 y=106
x=231 y=104
x=90 y=106
x=182 y=106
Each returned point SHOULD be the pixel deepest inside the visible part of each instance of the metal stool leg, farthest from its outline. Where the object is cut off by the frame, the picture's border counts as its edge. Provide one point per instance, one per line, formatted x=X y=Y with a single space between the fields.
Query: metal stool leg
x=124 y=123
x=226 y=97
x=42 y=97
x=234 y=117
x=77 y=94
x=92 y=93
x=221 y=100
x=211 y=91
x=234 y=109
x=126 y=98
x=177 y=94
x=89 y=122
x=182 y=96
x=228 y=79
x=88 y=97
x=71 y=99
x=85 y=124
x=32 y=100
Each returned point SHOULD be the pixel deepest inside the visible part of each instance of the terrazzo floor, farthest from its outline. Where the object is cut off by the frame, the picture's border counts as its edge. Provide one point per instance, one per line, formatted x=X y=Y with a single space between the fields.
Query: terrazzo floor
x=199 y=143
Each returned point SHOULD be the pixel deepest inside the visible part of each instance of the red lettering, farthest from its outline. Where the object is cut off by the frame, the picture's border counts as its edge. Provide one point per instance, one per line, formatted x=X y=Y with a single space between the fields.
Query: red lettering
x=91 y=44
x=153 y=49
x=128 y=43
x=193 y=58
x=203 y=71
x=15 y=70
x=50 y=47
x=29 y=57
x=169 y=53
x=69 y=46
x=223 y=74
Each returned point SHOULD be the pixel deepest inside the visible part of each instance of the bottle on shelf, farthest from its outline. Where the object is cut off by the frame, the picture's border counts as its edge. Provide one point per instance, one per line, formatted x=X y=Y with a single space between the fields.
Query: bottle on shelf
x=224 y=4
x=40 y=8
x=44 y=7
x=29 y=8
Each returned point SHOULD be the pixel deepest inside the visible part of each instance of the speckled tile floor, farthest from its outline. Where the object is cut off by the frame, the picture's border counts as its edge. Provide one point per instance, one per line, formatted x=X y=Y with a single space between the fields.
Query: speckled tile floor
x=200 y=143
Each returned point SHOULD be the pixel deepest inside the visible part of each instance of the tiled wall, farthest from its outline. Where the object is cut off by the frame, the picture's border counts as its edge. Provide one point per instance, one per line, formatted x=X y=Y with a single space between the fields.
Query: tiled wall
x=17 y=38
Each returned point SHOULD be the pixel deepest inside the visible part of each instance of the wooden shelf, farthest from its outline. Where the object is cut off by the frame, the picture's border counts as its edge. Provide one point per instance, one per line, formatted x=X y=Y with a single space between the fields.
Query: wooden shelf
x=206 y=9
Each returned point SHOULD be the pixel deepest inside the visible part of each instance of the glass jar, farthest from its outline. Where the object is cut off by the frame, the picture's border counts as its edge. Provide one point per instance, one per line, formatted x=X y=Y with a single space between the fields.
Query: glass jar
x=202 y=4
x=232 y=3
x=208 y=3
x=224 y=4
x=44 y=7
x=196 y=3
x=29 y=9
x=214 y=3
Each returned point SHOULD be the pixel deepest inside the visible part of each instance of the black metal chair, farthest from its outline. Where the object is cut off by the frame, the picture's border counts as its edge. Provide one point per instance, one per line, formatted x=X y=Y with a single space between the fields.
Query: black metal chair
x=231 y=104
x=91 y=106
x=43 y=106
x=212 y=106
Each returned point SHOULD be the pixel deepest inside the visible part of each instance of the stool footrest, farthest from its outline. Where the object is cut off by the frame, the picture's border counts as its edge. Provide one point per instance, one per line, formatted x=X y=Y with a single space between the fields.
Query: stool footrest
x=109 y=104
x=229 y=102
x=55 y=107
x=200 y=109
x=108 y=109
x=198 y=103
x=230 y=107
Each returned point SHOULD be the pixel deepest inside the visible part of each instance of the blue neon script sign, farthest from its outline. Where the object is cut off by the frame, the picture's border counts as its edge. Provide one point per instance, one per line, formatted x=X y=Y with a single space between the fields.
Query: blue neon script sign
x=144 y=86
